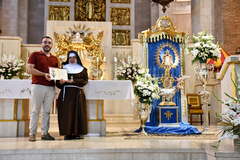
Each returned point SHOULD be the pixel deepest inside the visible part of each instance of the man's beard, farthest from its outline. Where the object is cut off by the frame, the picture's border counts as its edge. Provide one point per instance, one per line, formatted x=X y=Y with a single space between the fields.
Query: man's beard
x=46 y=49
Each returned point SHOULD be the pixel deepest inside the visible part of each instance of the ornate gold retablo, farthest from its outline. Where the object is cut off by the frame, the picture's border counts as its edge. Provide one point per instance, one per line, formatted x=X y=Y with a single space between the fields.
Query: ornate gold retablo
x=86 y=43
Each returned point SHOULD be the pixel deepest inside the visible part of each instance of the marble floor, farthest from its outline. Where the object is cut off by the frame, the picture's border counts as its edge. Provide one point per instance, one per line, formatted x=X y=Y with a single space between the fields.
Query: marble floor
x=120 y=146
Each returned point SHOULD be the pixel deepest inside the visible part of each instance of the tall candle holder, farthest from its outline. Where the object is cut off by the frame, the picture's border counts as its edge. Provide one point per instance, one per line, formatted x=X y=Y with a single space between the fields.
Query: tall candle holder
x=115 y=60
x=203 y=71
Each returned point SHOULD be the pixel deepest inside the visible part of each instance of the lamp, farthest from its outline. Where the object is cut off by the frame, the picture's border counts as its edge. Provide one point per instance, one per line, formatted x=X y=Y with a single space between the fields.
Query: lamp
x=164 y=3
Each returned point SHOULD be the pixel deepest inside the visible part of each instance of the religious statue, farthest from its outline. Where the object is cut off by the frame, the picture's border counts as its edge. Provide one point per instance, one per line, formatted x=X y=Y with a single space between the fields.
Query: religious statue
x=168 y=91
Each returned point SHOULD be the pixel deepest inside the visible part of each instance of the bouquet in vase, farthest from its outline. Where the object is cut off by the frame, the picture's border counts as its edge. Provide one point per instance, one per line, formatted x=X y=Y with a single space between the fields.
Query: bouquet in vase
x=147 y=89
x=203 y=48
x=10 y=66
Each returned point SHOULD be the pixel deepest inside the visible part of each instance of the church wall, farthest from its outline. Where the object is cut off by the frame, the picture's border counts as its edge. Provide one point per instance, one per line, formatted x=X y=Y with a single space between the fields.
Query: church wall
x=0 y=17
x=231 y=22
x=23 y=19
x=142 y=16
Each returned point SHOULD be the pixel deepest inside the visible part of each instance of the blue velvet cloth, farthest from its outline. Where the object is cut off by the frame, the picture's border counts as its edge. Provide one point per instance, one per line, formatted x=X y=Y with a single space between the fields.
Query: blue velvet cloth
x=182 y=129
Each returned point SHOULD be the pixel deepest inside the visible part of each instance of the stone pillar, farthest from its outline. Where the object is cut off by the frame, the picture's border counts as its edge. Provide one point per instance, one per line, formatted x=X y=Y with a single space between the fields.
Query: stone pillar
x=23 y=19
x=35 y=20
x=9 y=17
x=142 y=15
x=155 y=14
x=202 y=16
x=0 y=17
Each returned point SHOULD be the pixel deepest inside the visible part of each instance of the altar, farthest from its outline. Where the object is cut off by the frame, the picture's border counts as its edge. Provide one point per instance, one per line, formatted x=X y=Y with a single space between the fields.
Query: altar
x=15 y=95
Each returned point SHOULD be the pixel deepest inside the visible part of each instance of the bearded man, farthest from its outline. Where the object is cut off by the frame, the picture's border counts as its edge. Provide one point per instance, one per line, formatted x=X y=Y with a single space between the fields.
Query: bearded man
x=43 y=88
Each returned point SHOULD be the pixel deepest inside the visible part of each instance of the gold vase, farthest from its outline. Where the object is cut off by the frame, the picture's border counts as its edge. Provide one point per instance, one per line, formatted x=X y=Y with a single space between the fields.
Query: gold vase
x=143 y=114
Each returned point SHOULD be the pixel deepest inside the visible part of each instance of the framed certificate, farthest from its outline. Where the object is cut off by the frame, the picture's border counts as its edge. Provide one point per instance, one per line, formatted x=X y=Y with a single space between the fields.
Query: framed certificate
x=58 y=74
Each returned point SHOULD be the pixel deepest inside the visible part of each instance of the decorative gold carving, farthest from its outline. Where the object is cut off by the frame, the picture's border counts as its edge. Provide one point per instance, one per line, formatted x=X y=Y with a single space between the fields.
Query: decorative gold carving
x=121 y=37
x=168 y=115
x=59 y=0
x=120 y=16
x=59 y=13
x=90 y=10
x=120 y=1
x=164 y=29
x=88 y=46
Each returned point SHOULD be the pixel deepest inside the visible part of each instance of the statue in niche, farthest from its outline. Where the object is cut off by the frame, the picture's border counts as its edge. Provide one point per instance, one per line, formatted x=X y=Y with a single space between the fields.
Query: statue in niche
x=90 y=9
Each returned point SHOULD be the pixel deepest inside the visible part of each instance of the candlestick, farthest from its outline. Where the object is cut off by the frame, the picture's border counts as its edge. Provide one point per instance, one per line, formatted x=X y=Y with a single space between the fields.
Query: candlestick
x=1 y=52
x=129 y=59
x=115 y=59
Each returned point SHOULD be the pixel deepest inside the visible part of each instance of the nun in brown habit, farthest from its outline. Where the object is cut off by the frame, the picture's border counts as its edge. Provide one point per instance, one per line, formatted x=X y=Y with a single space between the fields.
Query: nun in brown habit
x=71 y=102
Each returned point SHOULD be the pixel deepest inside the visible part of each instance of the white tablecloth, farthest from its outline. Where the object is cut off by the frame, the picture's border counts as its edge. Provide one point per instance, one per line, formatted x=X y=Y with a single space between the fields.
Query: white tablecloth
x=94 y=90
x=15 y=89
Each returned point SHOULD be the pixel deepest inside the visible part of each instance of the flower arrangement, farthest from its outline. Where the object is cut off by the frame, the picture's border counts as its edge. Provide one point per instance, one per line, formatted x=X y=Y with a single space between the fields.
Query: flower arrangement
x=10 y=66
x=230 y=120
x=129 y=71
x=203 y=48
x=146 y=89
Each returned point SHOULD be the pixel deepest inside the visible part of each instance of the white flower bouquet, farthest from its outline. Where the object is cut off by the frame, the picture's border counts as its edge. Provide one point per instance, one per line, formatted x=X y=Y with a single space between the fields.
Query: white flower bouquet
x=230 y=120
x=146 y=89
x=10 y=66
x=130 y=71
x=203 y=48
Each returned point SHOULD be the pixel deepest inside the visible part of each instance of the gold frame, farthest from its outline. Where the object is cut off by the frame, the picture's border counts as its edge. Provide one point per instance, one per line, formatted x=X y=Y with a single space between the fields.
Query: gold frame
x=120 y=16
x=126 y=36
x=56 y=12
x=160 y=115
x=120 y=1
x=194 y=100
x=164 y=29
x=90 y=10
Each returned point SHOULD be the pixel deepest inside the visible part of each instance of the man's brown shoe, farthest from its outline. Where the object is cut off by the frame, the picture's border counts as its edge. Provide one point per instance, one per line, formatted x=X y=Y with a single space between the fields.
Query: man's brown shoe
x=32 y=138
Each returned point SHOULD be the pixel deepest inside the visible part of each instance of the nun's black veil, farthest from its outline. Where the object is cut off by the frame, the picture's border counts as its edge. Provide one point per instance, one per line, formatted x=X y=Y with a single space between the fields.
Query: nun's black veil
x=78 y=58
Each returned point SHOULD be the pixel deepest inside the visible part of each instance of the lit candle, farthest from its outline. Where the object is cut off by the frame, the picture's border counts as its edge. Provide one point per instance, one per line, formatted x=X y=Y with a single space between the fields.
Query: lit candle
x=104 y=59
x=115 y=59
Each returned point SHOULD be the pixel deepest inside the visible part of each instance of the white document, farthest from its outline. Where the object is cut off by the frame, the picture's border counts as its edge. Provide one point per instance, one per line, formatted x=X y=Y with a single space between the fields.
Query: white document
x=58 y=74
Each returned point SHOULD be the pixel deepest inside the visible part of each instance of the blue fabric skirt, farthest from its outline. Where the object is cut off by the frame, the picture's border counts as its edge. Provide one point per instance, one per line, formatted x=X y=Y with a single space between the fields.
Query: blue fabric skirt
x=182 y=129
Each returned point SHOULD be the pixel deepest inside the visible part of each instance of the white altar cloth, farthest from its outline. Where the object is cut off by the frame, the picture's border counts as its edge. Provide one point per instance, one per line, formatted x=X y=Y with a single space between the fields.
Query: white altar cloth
x=15 y=89
x=109 y=90
x=94 y=90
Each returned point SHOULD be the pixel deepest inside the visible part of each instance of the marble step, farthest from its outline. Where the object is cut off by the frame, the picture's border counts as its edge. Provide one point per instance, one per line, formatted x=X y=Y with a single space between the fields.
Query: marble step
x=121 y=120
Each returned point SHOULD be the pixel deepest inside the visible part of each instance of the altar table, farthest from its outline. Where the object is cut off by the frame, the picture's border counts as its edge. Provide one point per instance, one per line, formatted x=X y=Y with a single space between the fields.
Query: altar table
x=14 y=120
